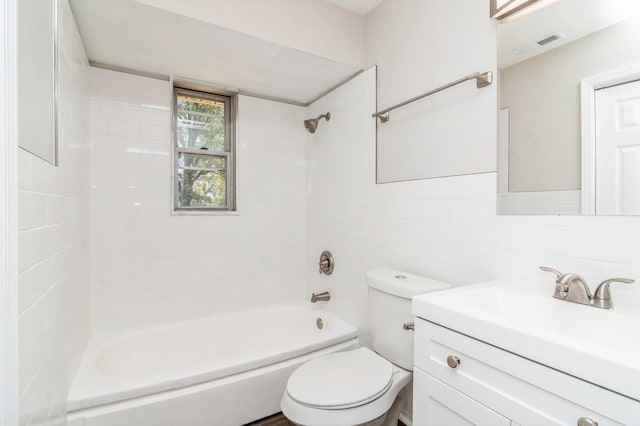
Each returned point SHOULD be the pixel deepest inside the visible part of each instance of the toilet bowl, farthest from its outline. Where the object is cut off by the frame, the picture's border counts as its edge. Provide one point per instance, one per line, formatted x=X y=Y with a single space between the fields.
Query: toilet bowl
x=356 y=387
x=363 y=386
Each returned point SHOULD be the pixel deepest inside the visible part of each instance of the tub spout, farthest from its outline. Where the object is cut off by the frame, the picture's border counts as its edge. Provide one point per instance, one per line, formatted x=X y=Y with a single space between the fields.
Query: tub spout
x=320 y=297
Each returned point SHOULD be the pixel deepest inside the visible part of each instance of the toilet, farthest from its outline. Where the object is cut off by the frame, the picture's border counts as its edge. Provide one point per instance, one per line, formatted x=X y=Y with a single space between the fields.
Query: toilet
x=363 y=386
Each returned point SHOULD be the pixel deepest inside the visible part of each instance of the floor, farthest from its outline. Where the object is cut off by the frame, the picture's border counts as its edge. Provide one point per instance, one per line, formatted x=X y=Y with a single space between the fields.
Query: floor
x=275 y=420
x=281 y=420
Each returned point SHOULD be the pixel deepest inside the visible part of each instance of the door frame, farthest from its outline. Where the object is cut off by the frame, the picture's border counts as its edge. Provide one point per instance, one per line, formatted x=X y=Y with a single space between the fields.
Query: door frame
x=588 y=87
x=8 y=215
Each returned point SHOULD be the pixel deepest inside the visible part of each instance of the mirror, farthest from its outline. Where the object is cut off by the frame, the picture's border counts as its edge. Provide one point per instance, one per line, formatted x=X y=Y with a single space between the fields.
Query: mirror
x=37 y=77
x=569 y=119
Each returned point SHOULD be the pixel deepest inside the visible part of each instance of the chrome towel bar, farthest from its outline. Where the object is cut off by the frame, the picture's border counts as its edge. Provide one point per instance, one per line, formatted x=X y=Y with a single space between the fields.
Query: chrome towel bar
x=483 y=79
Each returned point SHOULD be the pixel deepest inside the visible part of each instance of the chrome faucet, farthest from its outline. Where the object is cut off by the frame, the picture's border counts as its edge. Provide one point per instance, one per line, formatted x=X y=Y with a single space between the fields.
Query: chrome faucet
x=320 y=297
x=573 y=288
x=576 y=288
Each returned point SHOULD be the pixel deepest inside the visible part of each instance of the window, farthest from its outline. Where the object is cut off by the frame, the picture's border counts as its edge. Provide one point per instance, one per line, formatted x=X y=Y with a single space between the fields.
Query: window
x=204 y=151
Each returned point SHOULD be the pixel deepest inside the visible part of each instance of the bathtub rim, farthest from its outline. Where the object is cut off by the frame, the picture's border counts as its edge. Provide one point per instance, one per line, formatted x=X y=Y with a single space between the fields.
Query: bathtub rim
x=85 y=396
x=168 y=399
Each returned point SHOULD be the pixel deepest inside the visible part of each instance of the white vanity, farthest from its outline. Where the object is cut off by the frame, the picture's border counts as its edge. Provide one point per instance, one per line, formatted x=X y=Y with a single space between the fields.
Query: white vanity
x=501 y=354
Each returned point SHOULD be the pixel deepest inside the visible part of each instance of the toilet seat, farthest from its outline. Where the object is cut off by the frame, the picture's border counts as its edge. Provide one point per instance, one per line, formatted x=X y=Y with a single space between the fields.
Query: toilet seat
x=341 y=380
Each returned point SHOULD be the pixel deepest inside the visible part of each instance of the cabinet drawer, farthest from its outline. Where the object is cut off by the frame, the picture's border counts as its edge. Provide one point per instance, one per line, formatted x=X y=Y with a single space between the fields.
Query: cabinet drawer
x=518 y=388
x=435 y=403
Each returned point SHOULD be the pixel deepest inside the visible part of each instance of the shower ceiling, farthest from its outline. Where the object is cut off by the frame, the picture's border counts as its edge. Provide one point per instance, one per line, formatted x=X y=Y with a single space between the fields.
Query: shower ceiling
x=129 y=34
x=361 y=7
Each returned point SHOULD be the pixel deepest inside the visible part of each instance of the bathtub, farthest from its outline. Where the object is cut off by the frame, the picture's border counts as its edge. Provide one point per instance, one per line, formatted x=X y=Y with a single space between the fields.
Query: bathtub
x=227 y=369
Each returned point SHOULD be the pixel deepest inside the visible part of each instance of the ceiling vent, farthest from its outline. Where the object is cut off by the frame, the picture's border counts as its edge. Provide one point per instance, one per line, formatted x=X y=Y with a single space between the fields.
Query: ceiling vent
x=550 y=39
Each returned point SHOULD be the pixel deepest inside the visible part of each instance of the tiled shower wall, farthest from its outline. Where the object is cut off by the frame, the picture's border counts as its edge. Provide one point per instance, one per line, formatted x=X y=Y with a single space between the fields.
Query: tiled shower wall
x=149 y=266
x=53 y=285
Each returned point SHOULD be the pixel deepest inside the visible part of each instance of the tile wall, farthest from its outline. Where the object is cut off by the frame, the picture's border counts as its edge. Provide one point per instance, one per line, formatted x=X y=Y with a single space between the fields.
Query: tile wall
x=53 y=285
x=149 y=266
x=444 y=228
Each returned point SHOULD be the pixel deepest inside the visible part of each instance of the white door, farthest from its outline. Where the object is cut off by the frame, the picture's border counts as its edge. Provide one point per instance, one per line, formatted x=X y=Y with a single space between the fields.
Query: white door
x=618 y=149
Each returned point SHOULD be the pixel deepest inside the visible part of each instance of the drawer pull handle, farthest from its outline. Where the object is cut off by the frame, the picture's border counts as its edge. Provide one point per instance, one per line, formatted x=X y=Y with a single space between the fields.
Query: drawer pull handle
x=453 y=361
x=584 y=421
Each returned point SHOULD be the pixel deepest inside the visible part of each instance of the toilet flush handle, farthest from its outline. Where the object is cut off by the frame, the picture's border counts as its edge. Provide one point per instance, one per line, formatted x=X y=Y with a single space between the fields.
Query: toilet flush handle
x=408 y=326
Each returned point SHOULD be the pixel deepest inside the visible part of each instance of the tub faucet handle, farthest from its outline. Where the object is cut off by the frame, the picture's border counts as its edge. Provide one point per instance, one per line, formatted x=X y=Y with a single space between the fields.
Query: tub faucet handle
x=326 y=263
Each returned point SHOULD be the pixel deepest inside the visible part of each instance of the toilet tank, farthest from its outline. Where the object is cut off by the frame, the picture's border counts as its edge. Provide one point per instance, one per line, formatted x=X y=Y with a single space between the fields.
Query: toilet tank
x=390 y=293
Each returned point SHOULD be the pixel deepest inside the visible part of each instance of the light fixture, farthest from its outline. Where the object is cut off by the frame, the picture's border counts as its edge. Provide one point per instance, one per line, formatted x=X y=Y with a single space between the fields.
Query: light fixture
x=509 y=10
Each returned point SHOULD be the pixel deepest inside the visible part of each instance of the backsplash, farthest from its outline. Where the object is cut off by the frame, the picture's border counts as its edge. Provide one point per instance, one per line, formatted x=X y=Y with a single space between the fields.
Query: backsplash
x=149 y=266
x=53 y=208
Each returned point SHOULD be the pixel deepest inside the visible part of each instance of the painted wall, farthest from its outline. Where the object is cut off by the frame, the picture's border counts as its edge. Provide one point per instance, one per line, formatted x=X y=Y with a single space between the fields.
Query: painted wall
x=312 y=26
x=53 y=208
x=448 y=228
x=419 y=46
x=546 y=89
x=149 y=266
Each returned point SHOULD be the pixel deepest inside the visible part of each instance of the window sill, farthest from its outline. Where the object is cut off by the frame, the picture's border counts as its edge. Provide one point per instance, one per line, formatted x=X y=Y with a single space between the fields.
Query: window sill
x=204 y=213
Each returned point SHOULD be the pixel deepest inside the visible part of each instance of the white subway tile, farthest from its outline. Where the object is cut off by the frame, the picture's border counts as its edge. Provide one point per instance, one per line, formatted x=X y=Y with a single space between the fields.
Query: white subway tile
x=159 y=132
x=53 y=282
x=32 y=210
x=139 y=251
x=124 y=128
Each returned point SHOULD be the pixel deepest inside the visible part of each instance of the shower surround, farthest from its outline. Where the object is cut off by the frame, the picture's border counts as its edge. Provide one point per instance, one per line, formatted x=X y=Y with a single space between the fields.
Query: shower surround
x=150 y=266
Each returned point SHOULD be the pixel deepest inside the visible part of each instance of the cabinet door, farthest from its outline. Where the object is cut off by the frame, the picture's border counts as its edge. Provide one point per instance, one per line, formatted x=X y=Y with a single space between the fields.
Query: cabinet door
x=436 y=404
x=519 y=389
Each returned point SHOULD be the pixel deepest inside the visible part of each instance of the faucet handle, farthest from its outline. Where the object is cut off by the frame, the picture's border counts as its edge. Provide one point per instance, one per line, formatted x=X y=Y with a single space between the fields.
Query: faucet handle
x=561 y=288
x=555 y=271
x=602 y=298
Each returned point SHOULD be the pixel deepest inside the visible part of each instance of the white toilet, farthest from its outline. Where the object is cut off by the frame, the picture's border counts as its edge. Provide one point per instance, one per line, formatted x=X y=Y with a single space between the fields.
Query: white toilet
x=360 y=386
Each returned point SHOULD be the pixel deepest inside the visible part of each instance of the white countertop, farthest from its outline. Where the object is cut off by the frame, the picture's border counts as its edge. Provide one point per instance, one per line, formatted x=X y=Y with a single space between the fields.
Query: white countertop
x=600 y=346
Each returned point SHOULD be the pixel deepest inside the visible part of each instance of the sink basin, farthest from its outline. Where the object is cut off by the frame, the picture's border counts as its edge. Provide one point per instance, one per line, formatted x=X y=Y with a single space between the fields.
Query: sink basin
x=597 y=345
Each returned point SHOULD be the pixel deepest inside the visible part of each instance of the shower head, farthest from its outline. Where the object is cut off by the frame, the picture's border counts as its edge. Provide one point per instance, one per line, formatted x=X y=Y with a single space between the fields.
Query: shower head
x=312 y=124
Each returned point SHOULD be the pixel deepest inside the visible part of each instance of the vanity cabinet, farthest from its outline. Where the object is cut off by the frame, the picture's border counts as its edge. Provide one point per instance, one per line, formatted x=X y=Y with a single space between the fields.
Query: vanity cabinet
x=459 y=380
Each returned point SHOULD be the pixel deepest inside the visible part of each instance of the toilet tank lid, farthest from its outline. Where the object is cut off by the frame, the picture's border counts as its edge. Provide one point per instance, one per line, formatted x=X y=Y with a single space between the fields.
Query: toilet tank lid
x=402 y=284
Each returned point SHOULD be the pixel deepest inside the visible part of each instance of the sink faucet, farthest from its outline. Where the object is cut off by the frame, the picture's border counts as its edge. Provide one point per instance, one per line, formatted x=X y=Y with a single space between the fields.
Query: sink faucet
x=573 y=288
x=320 y=297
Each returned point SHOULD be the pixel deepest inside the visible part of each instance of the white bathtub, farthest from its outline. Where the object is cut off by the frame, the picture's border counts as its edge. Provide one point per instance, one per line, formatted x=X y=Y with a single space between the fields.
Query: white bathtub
x=227 y=369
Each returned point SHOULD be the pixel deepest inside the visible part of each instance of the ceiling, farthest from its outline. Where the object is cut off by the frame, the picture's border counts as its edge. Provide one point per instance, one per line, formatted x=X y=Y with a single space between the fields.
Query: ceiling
x=133 y=35
x=574 y=19
x=361 y=7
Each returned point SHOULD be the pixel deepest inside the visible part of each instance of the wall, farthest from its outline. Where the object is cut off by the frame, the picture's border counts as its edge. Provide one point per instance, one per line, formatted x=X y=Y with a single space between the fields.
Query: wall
x=444 y=228
x=340 y=177
x=53 y=207
x=545 y=158
x=447 y=228
x=149 y=266
x=8 y=216
x=441 y=131
x=312 y=26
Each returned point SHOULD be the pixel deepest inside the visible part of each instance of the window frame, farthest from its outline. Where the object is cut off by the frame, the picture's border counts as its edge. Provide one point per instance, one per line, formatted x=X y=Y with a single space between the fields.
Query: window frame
x=229 y=101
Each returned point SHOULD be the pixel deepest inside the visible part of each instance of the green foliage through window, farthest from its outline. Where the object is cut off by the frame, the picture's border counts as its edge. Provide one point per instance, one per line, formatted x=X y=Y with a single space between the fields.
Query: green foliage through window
x=203 y=155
